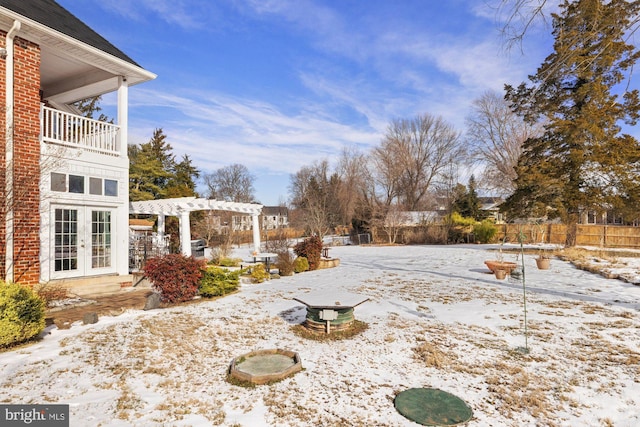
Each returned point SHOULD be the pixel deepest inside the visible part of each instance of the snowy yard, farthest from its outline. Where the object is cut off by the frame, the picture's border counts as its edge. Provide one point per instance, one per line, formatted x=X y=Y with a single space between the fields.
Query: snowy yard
x=435 y=317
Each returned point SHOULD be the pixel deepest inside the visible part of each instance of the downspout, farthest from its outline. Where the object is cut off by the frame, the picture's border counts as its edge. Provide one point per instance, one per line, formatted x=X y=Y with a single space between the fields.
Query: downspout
x=9 y=102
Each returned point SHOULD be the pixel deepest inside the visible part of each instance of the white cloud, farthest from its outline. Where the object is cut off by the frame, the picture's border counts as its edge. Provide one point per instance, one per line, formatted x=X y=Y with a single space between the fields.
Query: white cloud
x=217 y=130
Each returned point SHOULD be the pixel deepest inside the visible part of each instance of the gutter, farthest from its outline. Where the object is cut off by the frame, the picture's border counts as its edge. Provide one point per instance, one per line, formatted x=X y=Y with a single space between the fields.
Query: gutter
x=9 y=196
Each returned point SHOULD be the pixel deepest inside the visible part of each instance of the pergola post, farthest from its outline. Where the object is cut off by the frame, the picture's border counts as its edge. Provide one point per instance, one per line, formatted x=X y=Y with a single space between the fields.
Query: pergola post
x=256 y=232
x=185 y=233
x=161 y=227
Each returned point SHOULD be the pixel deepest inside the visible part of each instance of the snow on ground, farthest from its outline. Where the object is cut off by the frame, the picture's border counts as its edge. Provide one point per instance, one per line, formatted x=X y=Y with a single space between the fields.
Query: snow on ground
x=435 y=317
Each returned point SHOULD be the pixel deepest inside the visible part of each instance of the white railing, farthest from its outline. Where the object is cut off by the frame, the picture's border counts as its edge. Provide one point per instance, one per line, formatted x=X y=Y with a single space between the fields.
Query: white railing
x=71 y=130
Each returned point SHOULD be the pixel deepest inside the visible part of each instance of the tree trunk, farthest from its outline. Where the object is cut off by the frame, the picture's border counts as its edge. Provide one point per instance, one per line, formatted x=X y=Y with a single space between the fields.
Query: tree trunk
x=572 y=230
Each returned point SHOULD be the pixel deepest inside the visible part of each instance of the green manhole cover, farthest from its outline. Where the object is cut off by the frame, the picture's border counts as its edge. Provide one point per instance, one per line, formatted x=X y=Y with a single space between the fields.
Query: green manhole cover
x=432 y=407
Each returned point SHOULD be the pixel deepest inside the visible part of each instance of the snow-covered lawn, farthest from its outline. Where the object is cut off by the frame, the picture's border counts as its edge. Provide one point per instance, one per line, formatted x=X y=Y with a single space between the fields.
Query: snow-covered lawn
x=435 y=317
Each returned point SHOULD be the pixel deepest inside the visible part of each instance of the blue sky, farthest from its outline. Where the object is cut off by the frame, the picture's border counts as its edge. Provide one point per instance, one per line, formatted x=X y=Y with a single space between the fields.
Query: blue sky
x=278 y=84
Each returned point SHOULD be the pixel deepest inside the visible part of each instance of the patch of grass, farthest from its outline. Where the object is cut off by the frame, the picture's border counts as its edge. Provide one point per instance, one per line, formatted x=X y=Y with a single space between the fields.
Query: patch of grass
x=357 y=327
x=238 y=382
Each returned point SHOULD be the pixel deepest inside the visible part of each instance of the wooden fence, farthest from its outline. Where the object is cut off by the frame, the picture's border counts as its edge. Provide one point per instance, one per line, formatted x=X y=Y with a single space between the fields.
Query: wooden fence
x=604 y=236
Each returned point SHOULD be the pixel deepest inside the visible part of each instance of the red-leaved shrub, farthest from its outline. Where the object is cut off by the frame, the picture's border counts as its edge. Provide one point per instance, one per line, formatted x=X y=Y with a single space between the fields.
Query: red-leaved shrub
x=175 y=276
x=311 y=249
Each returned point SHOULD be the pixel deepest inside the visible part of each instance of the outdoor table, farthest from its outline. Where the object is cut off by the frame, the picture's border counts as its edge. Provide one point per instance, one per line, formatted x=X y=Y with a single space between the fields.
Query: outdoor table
x=264 y=257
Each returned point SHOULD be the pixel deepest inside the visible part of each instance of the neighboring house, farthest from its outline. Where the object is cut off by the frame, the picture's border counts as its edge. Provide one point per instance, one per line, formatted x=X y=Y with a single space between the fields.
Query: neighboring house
x=65 y=180
x=272 y=217
x=491 y=205
x=412 y=218
x=607 y=217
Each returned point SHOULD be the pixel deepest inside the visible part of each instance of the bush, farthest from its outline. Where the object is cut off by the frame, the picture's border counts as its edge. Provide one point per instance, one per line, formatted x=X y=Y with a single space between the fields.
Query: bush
x=259 y=273
x=175 y=276
x=22 y=314
x=50 y=293
x=229 y=262
x=300 y=264
x=218 y=281
x=311 y=249
x=485 y=231
x=285 y=263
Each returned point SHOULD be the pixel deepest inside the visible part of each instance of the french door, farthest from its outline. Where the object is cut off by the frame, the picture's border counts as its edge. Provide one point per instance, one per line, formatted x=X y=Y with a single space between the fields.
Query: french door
x=81 y=244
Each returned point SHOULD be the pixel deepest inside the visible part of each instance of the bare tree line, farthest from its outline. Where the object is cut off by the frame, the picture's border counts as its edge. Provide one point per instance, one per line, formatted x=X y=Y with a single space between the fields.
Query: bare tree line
x=415 y=167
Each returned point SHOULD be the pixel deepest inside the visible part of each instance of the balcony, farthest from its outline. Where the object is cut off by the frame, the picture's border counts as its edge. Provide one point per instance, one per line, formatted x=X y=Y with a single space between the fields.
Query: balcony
x=70 y=130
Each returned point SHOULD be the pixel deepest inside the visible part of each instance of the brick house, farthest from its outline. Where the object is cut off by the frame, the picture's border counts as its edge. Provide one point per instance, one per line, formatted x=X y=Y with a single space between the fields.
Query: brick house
x=64 y=185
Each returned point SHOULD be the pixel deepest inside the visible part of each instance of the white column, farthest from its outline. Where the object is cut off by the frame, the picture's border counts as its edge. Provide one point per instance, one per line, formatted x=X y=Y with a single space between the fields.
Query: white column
x=185 y=233
x=123 y=114
x=122 y=224
x=256 y=232
x=160 y=228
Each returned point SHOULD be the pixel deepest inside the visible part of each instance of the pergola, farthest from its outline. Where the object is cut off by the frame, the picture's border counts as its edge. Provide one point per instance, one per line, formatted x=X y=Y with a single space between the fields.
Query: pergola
x=181 y=207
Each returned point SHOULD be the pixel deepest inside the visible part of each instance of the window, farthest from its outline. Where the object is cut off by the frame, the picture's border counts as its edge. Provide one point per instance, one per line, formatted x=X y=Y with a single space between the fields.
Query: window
x=76 y=184
x=95 y=186
x=58 y=182
x=111 y=187
x=613 y=218
x=100 y=239
x=66 y=240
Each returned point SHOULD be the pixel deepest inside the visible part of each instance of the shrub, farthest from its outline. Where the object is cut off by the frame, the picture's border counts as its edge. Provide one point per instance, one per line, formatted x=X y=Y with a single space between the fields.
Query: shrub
x=485 y=231
x=259 y=273
x=50 y=293
x=175 y=276
x=279 y=242
x=22 y=314
x=457 y=219
x=311 y=249
x=229 y=262
x=218 y=281
x=285 y=263
x=300 y=264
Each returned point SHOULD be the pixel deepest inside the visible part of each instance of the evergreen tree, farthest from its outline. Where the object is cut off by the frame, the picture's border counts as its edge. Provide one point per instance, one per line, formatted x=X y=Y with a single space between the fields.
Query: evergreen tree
x=154 y=173
x=87 y=107
x=467 y=202
x=582 y=160
x=182 y=183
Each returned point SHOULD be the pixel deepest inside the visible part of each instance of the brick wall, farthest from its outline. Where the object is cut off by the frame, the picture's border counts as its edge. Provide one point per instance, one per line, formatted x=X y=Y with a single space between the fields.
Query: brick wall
x=26 y=156
x=3 y=207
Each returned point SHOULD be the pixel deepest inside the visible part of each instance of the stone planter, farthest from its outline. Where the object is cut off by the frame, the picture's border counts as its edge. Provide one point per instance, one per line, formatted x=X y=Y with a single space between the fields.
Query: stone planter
x=543 y=263
x=501 y=265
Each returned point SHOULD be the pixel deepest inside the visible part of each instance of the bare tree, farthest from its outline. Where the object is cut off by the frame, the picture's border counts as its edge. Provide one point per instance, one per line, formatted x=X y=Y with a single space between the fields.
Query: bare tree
x=394 y=220
x=353 y=177
x=232 y=183
x=495 y=135
x=518 y=16
x=412 y=155
x=313 y=189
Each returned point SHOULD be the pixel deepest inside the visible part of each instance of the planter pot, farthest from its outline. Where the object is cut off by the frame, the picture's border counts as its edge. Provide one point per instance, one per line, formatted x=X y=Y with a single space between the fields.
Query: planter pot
x=543 y=263
x=500 y=274
x=501 y=265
